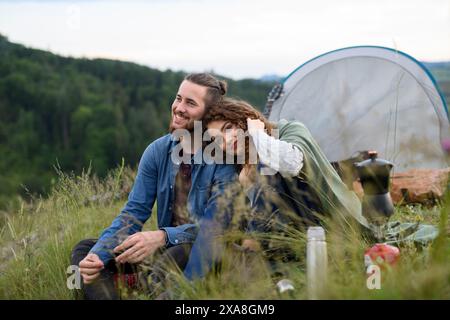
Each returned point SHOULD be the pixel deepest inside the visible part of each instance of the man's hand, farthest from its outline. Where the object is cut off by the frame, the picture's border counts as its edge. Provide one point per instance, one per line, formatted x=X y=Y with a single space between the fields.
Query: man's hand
x=251 y=245
x=247 y=177
x=90 y=267
x=254 y=125
x=140 y=245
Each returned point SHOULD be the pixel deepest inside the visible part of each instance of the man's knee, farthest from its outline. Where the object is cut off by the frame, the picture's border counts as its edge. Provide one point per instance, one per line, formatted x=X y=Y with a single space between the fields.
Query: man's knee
x=178 y=254
x=173 y=257
x=81 y=250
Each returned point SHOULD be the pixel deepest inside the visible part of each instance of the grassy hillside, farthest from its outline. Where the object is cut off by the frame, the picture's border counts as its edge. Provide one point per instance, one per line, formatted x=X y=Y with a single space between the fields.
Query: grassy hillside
x=441 y=73
x=36 y=242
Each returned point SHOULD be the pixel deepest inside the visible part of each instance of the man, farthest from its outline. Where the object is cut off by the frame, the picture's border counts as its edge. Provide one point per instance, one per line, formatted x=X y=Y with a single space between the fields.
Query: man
x=187 y=194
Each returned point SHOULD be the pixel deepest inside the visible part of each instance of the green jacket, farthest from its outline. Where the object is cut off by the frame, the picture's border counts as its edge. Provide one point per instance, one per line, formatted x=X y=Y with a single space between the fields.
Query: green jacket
x=317 y=171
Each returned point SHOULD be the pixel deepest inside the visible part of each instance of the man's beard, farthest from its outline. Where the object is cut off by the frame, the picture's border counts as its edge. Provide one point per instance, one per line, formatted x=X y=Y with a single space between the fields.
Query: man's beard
x=189 y=125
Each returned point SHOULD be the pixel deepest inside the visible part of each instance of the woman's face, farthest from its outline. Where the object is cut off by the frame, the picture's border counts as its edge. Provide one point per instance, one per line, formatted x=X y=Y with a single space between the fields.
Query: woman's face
x=229 y=137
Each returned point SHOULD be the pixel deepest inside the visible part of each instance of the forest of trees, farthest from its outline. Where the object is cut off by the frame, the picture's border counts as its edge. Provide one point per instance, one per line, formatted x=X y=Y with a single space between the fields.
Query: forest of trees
x=74 y=113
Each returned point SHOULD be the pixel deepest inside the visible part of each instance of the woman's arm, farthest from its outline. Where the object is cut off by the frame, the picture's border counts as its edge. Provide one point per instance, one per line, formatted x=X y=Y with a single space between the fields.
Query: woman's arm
x=282 y=156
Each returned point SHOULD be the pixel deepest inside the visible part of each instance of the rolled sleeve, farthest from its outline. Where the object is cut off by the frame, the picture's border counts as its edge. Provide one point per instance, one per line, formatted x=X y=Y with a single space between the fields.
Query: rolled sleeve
x=136 y=211
x=185 y=233
x=279 y=155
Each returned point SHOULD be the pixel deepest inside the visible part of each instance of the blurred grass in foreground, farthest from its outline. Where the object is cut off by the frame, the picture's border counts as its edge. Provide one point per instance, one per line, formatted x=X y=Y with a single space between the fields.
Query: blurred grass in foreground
x=36 y=241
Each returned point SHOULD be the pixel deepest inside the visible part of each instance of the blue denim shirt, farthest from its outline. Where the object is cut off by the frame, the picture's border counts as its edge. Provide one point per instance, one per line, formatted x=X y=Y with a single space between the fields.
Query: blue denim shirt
x=155 y=180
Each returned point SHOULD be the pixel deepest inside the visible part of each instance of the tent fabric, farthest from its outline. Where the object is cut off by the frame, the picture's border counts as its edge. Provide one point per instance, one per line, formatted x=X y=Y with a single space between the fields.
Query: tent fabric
x=369 y=98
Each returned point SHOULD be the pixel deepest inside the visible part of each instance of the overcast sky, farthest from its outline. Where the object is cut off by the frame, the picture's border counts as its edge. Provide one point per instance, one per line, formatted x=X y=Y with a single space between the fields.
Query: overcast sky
x=235 y=38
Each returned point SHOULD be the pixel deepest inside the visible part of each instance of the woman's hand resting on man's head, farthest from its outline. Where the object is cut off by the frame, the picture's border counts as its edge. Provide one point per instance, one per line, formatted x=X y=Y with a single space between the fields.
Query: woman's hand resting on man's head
x=254 y=125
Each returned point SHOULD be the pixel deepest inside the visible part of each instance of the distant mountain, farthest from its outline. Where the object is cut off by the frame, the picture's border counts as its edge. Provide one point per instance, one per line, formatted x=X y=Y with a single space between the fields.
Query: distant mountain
x=440 y=70
x=437 y=65
x=271 y=78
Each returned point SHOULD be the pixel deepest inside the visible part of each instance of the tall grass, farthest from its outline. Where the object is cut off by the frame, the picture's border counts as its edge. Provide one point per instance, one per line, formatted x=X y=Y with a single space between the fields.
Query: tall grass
x=422 y=272
x=37 y=239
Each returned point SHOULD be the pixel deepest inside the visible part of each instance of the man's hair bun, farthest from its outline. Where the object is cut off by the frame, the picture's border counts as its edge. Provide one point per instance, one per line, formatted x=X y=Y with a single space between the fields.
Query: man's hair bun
x=223 y=86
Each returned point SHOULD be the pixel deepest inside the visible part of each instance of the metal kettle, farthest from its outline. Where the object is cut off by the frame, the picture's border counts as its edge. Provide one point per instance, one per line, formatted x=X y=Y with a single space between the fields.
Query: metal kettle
x=377 y=206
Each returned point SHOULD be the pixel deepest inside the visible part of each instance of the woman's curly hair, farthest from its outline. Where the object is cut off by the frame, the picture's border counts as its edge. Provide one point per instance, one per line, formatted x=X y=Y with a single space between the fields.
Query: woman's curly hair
x=236 y=112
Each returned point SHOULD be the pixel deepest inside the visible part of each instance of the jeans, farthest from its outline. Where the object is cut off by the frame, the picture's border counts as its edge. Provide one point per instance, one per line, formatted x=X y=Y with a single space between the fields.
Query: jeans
x=104 y=287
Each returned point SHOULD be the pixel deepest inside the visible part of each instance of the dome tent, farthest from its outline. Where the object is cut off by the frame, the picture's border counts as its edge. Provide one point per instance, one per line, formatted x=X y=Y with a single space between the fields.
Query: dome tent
x=367 y=98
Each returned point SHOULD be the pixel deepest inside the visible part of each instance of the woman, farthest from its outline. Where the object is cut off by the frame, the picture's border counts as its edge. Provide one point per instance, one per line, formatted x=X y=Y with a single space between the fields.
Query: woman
x=290 y=175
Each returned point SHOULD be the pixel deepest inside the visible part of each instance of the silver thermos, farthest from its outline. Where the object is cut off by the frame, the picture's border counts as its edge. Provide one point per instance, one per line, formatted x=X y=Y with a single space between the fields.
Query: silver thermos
x=316 y=262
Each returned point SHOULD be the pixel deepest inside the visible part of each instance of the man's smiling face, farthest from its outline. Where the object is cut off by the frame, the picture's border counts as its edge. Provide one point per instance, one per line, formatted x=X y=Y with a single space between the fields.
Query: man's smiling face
x=188 y=106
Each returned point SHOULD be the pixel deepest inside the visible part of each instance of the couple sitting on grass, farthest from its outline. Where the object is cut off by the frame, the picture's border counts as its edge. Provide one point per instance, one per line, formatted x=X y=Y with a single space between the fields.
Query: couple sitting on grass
x=278 y=167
